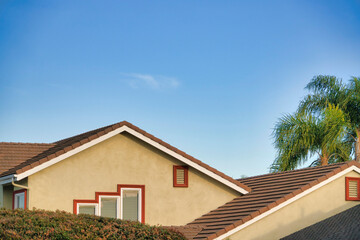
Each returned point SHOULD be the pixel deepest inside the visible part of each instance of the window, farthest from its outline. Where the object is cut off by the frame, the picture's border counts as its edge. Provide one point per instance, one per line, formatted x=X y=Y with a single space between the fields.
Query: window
x=180 y=176
x=109 y=206
x=352 y=189
x=19 y=199
x=87 y=208
x=128 y=203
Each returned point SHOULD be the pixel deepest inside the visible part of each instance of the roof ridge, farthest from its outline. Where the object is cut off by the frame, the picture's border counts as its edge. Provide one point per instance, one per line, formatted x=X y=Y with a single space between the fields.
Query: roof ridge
x=65 y=145
x=184 y=154
x=290 y=171
x=26 y=143
x=87 y=132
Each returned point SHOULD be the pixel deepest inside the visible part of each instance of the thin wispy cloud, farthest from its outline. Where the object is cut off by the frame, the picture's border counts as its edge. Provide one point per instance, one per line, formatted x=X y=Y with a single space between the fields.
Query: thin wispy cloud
x=138 y=80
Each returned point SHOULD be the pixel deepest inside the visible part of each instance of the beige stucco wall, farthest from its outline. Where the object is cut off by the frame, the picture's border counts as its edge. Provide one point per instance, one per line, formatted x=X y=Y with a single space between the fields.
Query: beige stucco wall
x=312 y=208
x=124 y=159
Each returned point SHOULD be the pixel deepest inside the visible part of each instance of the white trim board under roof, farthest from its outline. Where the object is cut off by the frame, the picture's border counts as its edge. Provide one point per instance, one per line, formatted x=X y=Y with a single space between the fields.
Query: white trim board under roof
x=139 y=135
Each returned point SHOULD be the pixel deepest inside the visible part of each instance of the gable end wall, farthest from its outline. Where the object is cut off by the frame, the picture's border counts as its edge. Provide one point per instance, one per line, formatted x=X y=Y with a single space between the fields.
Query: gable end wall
x=123 y=159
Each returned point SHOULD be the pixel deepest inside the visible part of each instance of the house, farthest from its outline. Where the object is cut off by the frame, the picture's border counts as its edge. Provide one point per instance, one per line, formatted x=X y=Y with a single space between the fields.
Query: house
x=124 y=172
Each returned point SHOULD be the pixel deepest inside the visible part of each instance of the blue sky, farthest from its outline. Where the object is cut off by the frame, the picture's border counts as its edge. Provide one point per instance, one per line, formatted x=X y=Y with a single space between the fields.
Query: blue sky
x=209 y=77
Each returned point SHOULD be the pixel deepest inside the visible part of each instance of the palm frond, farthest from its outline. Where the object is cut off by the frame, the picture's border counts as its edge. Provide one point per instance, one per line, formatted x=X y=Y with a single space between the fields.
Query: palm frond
x=326 y=124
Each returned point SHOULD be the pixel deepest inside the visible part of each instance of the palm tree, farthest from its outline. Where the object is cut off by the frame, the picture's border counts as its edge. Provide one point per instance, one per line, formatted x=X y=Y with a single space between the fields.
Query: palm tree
x=301 y=136
x=325 y=90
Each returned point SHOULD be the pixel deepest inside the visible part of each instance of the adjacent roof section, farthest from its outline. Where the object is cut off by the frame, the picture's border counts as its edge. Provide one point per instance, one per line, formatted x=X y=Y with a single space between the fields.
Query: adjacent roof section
x=188 y=231
x=342 y=226
x=13 y=154
x=268 y=191
x=57 y=149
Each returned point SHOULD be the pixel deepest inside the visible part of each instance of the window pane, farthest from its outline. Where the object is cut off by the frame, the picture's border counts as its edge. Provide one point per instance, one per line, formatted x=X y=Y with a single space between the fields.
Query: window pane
x=87 y=210
x=108 y=207
x=19 y=200
x=130 y=205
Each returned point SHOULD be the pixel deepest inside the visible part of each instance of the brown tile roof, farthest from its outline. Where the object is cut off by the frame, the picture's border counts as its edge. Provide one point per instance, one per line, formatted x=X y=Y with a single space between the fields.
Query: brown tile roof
x=188 y=231
x=268 y=191
x=13 y=154
x=60 y=147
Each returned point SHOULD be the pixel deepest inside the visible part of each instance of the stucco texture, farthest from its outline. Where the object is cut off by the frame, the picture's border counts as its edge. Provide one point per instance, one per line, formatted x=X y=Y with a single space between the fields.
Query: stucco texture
x=312 y=208
x=124 y=159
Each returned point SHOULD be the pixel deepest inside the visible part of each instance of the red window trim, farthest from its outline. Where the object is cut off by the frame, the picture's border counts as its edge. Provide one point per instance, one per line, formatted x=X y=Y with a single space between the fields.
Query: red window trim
x=347 y=197
x=118 y=193
x=186 y=176
x=25 y=197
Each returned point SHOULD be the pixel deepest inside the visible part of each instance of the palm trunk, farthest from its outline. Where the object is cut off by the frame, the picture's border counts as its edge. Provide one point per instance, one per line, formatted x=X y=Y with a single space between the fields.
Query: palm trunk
x=324 y=160
x=357 y=145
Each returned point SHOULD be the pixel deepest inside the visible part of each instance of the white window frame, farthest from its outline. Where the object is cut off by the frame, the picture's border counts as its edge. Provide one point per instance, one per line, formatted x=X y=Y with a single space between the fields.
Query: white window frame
x=139 y=202
x=88 y=204
x=16 y=195
x=117 y=204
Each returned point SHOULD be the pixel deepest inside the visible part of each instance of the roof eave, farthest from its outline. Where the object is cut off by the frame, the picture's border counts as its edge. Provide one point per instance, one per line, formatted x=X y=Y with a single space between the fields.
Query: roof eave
x=7 y=179
x=129 y=128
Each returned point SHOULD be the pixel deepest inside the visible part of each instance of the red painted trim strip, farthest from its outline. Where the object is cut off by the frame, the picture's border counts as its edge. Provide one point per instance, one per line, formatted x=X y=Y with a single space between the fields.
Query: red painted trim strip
x=186 y=176
x=118 y=193
x=347 y=194
x=76 y=201
x=25 y=197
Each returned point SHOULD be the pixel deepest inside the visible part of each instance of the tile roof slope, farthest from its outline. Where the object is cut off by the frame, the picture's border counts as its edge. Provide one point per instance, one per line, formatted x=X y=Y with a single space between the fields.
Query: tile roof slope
x=65 y=145
x=268 y=191
x=13 y=154
x=55 y=149
x=189 y=232
x=342 y=226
